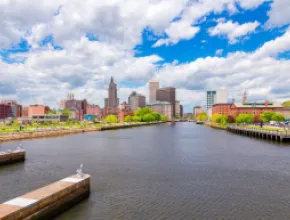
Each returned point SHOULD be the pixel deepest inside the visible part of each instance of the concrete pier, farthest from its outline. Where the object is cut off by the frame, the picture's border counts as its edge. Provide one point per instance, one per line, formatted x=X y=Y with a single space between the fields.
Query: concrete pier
x=12 y=156
x=47 y=202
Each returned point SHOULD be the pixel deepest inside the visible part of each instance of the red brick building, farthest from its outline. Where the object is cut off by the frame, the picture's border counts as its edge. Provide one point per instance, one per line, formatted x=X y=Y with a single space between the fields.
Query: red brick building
x=236 y=108
x=4 y=111
x=93 y=110
x=124 y=110
x=13 y=110
x=37 y=110
x=223 y=109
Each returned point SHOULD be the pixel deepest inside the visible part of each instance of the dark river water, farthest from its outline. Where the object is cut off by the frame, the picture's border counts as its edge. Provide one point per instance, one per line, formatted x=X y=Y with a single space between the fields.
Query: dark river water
x=181 y=171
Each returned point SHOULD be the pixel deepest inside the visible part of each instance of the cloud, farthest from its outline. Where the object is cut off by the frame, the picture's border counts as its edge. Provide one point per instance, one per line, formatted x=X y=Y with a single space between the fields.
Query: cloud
x=233 y=30
x=276 y=46
x=279 y=13
x=196 y=12
x=177 y=31
x=260 y=72
x=219 y=52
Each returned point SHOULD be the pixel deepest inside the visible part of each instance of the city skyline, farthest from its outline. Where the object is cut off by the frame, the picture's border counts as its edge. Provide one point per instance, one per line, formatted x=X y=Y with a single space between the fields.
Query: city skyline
x=194 y=47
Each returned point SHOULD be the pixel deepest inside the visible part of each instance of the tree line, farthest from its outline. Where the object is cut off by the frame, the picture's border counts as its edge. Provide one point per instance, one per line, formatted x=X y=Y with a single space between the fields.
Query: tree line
x=144 y=114
x=266 y=117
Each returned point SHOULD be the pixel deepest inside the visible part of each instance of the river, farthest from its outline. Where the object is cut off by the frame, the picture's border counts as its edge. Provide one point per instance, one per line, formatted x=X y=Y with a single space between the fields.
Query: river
x=179 y=171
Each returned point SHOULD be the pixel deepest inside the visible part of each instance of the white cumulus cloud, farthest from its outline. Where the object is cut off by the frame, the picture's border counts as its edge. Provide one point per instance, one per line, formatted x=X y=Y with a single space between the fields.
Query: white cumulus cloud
x=233 y=30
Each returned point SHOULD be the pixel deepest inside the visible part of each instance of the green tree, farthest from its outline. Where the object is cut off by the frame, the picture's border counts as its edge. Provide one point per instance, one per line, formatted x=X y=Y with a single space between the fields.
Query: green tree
x=267 y=116
x=286 y=103
x=112 y=119
x=143 y=111
x=278 y=117
x=202 y=116
x=136 y=118
x=128 y=118
x=157 y=116
x=163 y=118
x=66 y=112
x=216 y=117
x=223 y=120
x=52 y=112
x=148 y=117
x=245 y=118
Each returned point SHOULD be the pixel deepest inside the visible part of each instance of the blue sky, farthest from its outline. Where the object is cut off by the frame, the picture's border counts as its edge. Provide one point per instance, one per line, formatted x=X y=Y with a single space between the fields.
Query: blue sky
x=48 y=49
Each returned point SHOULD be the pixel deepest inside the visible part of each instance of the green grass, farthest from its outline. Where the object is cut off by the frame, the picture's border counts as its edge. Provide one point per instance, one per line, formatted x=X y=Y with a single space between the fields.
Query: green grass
x=265 y=128
x=32 y=128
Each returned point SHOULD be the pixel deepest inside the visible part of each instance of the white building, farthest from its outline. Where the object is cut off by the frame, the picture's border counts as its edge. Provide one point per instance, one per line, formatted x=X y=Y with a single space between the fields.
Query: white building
x=213 y=97
x=222 y=96
x=153 y=87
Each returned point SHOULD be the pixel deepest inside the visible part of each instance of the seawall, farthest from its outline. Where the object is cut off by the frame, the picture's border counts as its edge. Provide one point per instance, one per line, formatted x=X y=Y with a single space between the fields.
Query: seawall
x=12 y=156
x=47 y=202
x=53 y=133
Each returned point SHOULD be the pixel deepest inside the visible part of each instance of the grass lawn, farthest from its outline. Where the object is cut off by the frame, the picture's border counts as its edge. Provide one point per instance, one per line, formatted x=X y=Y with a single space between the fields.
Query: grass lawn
x=265 y=128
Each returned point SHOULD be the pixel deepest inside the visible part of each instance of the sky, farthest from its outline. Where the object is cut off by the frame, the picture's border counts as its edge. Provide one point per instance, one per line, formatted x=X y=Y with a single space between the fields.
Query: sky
x=51 y=48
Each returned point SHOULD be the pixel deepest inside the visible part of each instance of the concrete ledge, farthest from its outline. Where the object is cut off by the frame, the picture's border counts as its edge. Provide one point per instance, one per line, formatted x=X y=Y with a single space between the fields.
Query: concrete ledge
x=46 y=202
x=12 y=157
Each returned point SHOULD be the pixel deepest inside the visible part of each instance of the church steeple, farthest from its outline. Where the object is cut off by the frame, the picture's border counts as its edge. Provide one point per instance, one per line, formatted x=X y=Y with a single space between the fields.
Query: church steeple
x=245 y=97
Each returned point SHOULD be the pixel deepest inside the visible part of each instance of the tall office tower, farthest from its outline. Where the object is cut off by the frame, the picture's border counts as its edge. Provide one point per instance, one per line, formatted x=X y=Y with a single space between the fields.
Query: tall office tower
x=210 y=99
x=136 y=101
x=213 y=97
x=153 y=86
x=112 y=100
x=167 y=95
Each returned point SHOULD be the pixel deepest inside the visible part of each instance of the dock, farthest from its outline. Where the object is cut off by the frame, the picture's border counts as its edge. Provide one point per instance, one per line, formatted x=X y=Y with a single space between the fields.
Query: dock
x=12 y=156
x=259 y=133
x=47 y=202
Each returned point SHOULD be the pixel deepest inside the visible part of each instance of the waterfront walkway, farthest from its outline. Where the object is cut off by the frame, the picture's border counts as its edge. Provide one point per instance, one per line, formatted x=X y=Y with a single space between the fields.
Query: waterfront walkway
x=259 y=133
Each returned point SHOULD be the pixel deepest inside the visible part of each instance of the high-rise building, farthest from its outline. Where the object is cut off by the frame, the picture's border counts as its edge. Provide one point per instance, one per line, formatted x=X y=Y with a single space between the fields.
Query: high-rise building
x=136 y=101
x=112 y=101
x=210 y=99
x=177 y=109
x=167 y=95
x=153 y=86
x=213 y=97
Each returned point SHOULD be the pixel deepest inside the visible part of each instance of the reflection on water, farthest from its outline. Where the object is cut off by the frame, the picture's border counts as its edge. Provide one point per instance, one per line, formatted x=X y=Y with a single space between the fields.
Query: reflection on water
x=178 y=171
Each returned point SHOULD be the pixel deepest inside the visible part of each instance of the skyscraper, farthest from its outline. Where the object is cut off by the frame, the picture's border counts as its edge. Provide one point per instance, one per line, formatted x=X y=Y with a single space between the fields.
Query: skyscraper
x=153 y=86
x=136 y=101
x=210 y=99
x=167 y=95
x=213 y=97
x=112 y=101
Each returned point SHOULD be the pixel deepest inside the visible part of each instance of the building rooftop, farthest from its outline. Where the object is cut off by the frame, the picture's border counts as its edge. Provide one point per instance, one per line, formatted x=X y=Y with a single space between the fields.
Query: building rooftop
x=160 y=103
x=258 y=105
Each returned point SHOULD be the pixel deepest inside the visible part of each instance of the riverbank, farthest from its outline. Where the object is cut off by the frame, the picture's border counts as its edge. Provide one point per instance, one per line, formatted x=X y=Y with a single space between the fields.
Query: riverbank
x=68 y=131
x=215 y=125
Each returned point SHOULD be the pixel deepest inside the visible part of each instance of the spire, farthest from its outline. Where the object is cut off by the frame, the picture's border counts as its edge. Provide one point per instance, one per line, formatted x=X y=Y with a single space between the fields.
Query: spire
x=245 y=97
x=112 y=79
